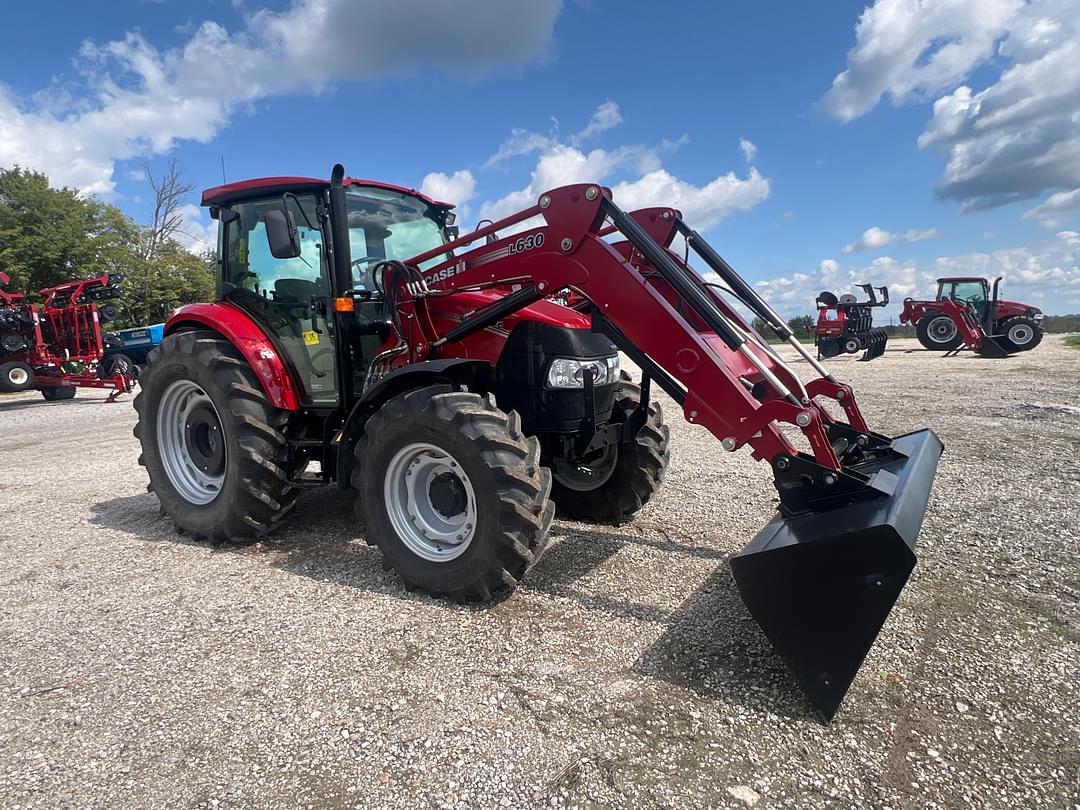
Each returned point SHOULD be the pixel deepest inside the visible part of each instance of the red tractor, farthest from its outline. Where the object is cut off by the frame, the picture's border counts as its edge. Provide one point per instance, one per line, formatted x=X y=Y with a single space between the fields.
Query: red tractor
x=359 y=341
x=56 y=346
x=846 y=324
x=967 y=312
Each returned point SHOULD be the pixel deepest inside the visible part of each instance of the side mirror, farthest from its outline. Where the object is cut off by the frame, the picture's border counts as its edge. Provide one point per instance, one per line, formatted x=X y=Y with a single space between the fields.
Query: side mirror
x=281 y=234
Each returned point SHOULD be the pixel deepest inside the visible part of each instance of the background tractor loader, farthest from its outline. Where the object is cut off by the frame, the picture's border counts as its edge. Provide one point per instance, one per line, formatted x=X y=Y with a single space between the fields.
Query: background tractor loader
x=968 y=313
x=357 y=340
x=845 y=324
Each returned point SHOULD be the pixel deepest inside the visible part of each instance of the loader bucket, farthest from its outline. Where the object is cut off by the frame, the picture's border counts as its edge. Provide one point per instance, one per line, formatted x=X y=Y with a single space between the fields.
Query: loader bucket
x=821 y=585
x=990 y=347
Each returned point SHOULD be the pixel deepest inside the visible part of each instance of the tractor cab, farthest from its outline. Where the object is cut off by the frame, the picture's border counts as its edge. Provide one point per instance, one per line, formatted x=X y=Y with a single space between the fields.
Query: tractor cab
x=276 y=265
x=971 y=290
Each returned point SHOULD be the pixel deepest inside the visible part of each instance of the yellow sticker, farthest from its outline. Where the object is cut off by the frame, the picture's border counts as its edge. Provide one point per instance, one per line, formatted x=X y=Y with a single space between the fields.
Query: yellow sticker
x=311 y=338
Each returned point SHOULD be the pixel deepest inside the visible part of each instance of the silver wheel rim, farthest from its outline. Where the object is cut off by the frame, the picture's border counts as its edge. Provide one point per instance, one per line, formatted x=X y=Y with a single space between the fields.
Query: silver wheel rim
x=1021 y=334
x=193 y=484
x=412 y=477
x=941 y=329
x=18 y=376
x=851 y=346
x=585 y=478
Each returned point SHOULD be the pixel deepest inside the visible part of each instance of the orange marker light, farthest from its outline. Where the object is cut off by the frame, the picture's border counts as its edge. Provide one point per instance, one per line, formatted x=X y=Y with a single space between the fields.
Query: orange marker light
x=343 y=305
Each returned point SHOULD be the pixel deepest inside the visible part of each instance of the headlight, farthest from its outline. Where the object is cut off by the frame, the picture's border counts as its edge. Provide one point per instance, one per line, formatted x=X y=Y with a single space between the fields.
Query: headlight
x=568 y=372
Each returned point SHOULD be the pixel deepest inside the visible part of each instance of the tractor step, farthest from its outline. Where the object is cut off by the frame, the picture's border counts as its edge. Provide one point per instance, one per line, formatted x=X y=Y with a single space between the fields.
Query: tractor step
x=821 y=585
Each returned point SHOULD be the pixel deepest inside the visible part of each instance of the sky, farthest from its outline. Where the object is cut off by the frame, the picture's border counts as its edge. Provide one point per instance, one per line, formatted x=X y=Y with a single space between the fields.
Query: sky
x=816 y=145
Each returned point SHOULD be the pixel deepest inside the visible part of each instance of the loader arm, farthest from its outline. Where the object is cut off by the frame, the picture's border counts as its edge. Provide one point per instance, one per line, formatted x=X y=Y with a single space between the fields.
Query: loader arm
x=821 y=577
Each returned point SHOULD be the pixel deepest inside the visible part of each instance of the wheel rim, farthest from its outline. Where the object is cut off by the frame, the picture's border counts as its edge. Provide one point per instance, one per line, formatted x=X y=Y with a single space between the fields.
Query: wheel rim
x=191 y=442
x=941 y=330
x=585 y=478
x=1021 y=334
x=851 y=346
x=18 y=376
x=430 y=502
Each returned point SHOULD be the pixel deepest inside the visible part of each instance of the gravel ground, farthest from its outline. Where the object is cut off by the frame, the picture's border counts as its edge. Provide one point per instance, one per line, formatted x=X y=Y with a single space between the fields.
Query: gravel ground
x=138 y=669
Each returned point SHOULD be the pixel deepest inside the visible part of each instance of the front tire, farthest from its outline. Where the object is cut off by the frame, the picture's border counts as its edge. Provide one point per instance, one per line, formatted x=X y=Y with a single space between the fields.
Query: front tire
x=1020 y=333
x=213 y=445
x=618 y=487
x=58 y=393
x=452 y=492
x=938 y=332
x=15 y=376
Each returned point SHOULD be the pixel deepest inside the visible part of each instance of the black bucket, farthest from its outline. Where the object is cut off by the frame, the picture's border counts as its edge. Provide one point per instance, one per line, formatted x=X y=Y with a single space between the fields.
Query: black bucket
x=992 y=347
x=821 y=585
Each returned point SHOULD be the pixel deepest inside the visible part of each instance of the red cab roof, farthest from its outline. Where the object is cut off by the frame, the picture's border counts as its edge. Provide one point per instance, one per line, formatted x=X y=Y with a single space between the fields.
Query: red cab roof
x=230 y=192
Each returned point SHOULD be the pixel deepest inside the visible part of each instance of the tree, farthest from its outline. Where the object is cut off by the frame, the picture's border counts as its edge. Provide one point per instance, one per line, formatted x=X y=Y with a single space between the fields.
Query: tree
x=169 y=193
x=172 y=278
x=49 y=235
x=802 y=326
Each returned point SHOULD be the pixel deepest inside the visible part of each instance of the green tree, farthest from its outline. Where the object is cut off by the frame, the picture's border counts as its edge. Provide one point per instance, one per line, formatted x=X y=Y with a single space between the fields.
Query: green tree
x=802 y=326
x=172 y=278
x=49 y=235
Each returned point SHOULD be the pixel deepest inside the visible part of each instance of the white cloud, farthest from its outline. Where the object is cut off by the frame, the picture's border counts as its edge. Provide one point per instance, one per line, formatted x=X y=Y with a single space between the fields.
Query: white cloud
x=456 y=188
x=606 y=116
x=875 y=237
x=1056 y=209
x=197 y=233
x=748 y=149
x=135 y=99
x=635 y=173
x=1046 y=275
x=1014 y=139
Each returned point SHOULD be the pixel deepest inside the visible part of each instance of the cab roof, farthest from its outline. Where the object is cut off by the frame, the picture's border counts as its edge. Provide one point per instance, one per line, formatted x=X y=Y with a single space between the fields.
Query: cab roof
x=961 y=278
x=261 y=186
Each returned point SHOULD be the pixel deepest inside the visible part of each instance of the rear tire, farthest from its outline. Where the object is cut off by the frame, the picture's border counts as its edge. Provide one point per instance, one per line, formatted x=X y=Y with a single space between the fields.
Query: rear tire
x=208 y=390
x=937 y=332
x=636 y=475
x=58 y=393
x=852 y=345
x=452 y=492
x=1020 y=333
x=16 y=376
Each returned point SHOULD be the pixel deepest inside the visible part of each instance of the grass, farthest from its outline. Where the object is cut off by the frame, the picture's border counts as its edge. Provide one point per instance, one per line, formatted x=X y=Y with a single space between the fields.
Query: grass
x=1073 y=340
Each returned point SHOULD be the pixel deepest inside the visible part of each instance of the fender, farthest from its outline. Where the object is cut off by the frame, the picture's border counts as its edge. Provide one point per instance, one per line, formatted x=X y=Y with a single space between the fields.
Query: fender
x=251 y=341
x=458 y=370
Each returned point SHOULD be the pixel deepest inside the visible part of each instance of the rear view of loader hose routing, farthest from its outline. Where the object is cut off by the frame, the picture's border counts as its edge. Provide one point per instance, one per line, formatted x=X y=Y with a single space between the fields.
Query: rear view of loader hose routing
x=457 y=489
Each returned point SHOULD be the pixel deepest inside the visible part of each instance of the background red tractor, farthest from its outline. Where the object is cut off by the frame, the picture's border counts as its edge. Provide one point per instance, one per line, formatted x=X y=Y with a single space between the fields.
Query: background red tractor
x=967 y=312
x=358 y=340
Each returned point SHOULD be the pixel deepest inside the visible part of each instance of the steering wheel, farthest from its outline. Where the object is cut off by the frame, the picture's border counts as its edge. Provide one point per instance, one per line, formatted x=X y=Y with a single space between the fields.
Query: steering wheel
x=366 y=278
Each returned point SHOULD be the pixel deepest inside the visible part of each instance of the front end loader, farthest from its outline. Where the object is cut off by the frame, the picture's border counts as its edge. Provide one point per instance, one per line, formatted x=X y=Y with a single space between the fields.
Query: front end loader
x=438 y=376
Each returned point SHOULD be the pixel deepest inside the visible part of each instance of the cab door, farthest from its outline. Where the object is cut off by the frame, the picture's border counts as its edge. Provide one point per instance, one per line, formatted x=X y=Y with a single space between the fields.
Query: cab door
x=287 y=297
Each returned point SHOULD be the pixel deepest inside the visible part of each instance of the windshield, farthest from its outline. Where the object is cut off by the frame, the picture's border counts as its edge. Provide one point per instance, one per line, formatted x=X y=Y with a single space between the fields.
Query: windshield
x=385 y=224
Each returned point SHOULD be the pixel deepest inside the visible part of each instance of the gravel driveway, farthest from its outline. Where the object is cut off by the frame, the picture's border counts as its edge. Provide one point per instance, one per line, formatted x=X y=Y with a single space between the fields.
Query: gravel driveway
x=140 y=669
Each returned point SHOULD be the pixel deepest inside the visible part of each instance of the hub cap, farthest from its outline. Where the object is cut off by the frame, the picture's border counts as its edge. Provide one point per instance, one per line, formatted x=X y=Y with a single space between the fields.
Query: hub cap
x=430 y=502
x=191 y=442
x=1021 y=334
x=18 y=376
x=941 y=329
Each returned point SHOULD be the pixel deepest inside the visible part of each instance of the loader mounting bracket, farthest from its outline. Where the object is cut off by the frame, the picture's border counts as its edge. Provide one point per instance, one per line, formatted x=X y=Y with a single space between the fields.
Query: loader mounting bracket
x=806 y=486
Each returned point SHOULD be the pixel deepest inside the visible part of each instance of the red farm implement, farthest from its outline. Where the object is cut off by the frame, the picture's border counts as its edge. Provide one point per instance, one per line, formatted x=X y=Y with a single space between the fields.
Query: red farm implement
x=846 y=324
x=435 y=375
x=968 y=314
x=56 y=346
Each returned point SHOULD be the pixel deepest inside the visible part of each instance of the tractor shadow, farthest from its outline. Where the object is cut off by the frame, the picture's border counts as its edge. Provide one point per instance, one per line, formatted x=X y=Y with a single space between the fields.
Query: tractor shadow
x=23 y=403
x=710 y=645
